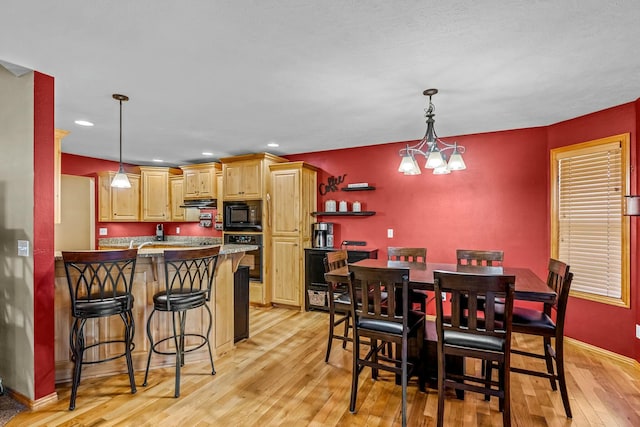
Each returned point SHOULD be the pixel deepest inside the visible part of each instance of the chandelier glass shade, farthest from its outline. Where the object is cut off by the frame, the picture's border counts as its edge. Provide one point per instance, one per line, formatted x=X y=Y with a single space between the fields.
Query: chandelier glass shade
x=120 y=180
x=432 y=148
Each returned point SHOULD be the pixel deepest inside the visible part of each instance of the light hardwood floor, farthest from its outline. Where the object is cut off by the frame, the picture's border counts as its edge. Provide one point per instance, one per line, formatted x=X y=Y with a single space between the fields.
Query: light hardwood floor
x=278 y=377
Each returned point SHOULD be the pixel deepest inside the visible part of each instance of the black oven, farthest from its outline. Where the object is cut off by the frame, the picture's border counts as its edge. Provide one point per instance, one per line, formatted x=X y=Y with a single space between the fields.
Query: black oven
x=252 y=259
x=242 y=216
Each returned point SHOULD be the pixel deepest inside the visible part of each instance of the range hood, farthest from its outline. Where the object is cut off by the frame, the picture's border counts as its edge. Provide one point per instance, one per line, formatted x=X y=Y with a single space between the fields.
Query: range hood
x=200 y=204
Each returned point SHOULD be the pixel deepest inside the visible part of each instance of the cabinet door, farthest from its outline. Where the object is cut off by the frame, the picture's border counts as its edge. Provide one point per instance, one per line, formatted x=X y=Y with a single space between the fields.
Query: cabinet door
x=176 y=194
x=155 y=197
x=232 y=180
x=104 y=198
x=191 y=183
x=285 y=192
x=287 y=279
x=125 y=202
x=207 y=183
x=252 y=180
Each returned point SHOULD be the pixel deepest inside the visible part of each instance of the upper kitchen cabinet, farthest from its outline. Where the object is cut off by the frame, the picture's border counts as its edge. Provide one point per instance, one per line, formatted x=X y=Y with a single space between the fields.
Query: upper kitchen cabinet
x=57 y=171
x=118 y=204
x=176 y=195
x=200 y=181
x=155 y=192
x=246 y=177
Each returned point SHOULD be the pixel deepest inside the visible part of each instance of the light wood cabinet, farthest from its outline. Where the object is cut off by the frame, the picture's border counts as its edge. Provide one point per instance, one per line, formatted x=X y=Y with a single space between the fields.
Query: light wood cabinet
x=292 y=199
x=243 y=180
x=118 y=204
x=176 y=196
x=200 y=180
x=57 y=172
x=155 y=193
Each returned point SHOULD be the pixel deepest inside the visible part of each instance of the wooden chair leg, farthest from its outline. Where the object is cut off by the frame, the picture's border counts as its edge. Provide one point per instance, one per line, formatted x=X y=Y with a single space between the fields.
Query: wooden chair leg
x=441 y=373
x=506 y=405
x=549 y=361
x=347 y=325
x=355 y=373
x=330 y=340
x=561 y=377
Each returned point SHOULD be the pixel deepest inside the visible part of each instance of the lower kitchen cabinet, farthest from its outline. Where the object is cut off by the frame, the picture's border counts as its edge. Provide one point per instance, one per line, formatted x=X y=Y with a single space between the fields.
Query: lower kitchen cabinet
x=286 y=258
x=315 y=286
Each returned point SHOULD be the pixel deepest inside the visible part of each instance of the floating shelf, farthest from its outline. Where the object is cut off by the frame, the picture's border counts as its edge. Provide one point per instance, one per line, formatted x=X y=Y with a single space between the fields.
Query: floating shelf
x=363 y=213
x=358 y=188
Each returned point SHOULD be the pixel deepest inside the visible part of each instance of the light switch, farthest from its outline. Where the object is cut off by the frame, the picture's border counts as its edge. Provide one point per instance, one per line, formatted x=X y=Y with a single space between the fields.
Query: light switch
x=23 y=248
x=390 y=233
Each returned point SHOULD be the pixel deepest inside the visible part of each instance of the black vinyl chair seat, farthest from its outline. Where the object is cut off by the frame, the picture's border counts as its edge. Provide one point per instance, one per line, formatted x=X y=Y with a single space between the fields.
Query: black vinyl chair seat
x=94 y=307
x=473 y=341
x=532 y=319
x=179 y=300
x=415 y=319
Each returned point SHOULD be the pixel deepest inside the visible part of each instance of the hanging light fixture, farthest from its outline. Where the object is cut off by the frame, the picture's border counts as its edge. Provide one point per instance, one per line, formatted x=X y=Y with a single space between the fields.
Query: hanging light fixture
x=432 y=148
x=120 y=180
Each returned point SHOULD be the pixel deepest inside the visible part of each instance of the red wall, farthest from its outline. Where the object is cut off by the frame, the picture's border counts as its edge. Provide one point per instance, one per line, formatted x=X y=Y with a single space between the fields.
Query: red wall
x=43 y=262
x=602 y=325
x=88 y=166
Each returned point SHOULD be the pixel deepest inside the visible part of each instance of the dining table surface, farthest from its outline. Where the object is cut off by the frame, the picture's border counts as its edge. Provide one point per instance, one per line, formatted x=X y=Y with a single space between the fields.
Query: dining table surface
x=528 y=286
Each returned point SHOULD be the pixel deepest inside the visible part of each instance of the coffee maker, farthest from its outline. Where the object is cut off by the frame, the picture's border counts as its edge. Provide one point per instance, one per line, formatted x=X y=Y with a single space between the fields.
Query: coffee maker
x=322 y=233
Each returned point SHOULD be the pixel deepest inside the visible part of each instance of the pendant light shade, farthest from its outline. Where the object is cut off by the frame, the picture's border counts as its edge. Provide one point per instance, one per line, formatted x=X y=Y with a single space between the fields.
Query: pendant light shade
x=120 y=180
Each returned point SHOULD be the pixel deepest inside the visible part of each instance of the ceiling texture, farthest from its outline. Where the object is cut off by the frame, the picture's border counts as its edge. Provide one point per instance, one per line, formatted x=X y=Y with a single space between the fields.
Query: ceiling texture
x=231 y=76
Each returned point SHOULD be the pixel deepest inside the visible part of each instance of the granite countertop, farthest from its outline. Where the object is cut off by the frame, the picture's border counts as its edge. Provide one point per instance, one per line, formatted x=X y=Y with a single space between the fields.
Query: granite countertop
x=149 y=251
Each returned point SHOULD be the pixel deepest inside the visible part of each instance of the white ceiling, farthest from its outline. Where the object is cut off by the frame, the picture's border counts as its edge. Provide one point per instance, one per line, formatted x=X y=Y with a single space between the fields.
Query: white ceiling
x=231 y=76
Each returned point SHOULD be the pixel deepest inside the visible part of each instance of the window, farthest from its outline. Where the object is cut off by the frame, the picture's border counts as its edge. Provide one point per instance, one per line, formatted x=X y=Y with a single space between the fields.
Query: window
x=589 y=232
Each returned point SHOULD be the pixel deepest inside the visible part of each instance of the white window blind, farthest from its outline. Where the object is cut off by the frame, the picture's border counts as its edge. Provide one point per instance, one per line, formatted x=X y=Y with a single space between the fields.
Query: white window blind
x=590 y=224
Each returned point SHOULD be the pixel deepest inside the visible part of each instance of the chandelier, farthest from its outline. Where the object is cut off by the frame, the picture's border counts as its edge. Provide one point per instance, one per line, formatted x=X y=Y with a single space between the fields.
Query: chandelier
x=432 y=148
x=120 y=180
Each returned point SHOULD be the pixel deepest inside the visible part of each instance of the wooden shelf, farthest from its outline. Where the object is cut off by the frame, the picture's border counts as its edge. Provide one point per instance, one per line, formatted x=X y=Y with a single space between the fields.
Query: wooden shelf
x=358 y=188
x=363 y=213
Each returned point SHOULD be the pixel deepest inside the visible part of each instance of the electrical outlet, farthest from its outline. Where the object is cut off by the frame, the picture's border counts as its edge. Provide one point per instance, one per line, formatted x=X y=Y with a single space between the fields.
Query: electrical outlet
x=444 y=296
x=177 y=230
x=103 y=231
x=638 y=331
x=390 y=233
x=23 y=248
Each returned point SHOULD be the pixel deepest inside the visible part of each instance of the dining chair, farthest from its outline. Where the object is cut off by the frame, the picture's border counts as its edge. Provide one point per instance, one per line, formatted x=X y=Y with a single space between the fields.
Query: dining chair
x=338 y=301
x=480 y=258
x=188 y=277
x=100 y=285
x=529 y=321
x=390 y=321
x=474 y=332
x=411 y=256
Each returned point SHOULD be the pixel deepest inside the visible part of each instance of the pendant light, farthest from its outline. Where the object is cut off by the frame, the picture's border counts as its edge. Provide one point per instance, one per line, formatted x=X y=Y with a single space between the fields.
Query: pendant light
x=120 y=180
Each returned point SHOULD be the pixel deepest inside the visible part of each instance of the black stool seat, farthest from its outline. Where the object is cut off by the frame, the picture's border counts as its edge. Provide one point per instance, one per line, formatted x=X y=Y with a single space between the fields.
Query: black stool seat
x=100 y=286
x=189 y=275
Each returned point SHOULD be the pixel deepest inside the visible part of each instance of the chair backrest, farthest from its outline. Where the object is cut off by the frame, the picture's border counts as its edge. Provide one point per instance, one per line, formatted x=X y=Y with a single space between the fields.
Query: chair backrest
x=559 y=279
x=335 y=260
x=190 y=270
x=413 y=255
x=479 y=258
x=370 y=287
x=99 y=276
x=473 y=300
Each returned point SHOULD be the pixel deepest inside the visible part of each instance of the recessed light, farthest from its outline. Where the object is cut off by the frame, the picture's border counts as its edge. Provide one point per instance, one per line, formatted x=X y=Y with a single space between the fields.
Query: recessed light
x=158 y=160
x=83 y=123
x=273 y=144
x=207 y=153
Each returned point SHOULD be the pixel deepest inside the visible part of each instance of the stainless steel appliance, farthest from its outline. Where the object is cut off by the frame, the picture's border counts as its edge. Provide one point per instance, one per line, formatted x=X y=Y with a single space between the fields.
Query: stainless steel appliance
x=243 y=216
x=159 y=232
x=322 y=233
x=252 y=259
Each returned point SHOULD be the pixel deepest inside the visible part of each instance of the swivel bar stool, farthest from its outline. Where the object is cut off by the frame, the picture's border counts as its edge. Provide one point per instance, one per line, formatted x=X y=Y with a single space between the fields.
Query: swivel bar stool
x=100 y=286
x=189 y=277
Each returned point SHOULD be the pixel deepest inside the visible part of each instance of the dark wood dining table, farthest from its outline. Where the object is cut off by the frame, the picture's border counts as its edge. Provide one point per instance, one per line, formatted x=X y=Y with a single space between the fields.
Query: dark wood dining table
x=528 y=286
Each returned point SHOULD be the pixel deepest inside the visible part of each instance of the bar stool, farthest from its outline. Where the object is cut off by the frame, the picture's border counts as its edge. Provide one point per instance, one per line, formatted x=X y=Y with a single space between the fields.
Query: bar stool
x=100 y=286
x=189 y=277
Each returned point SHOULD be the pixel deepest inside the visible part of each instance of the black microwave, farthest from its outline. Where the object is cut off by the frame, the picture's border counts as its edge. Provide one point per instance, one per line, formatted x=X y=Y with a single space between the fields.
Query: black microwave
x=242 y=216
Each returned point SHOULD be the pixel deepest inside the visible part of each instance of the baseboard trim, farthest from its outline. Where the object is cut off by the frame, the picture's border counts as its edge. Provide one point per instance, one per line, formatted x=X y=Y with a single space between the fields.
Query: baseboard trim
x=607 y=353
x=33 y=404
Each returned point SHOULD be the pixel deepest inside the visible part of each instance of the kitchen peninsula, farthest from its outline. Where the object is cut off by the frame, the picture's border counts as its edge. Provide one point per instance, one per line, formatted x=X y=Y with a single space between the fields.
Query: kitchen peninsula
x=148 y=279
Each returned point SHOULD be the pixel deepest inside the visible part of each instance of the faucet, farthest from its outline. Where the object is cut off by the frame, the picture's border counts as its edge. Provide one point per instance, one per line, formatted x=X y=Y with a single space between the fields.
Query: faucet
x=131 y=244
x=141 y=245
